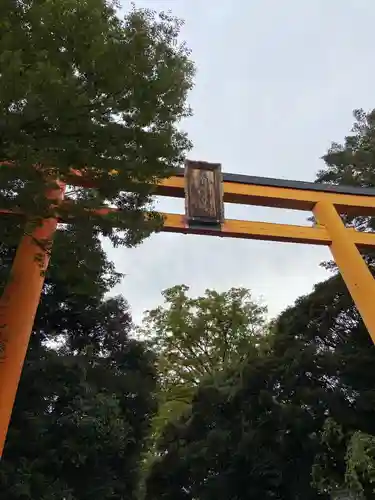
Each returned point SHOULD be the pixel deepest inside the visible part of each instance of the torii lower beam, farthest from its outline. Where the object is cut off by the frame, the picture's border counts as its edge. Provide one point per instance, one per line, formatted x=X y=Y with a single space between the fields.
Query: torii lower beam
x=267 y=231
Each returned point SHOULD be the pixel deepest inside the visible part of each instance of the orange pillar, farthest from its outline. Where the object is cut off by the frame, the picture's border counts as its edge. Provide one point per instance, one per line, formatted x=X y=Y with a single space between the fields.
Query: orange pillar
x=353 y=268
x=18 y=306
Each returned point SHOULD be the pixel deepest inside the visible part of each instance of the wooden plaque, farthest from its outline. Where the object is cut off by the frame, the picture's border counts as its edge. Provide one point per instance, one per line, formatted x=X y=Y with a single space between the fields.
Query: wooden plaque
x=203 y=193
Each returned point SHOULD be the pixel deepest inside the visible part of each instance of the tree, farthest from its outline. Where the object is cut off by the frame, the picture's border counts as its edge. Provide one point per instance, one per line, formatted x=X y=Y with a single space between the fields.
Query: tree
x=355 y=480
x=256 y=432
x=195 y=339
x=86 y=398
x=81 y=88
x=337 y=355
x=199 y=337
x=237 y=441
x=352 y=163
x=360 y=460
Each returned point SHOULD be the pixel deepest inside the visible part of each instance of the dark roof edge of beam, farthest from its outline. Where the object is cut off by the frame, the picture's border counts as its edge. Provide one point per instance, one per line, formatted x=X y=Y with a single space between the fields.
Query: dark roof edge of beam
x=284 y=183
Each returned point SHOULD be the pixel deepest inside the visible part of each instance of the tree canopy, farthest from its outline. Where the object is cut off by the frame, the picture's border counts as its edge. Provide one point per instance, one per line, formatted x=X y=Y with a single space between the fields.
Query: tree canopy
x=194 y=339
x=259 y=431
x=198 y=337
x=81 y=88
x=86 y=397
x=352 y=162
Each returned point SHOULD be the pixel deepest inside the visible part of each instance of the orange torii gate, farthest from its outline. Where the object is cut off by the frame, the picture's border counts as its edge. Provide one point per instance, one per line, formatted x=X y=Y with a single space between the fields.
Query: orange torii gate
x=205 y=190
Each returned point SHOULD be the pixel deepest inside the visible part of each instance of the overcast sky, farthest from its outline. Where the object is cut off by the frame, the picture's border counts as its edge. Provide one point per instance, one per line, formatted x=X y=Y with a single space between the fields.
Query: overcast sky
x=276 y=83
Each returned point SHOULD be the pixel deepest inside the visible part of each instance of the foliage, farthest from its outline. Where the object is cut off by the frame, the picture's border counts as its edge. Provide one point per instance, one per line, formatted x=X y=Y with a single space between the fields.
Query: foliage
x=359 y=462
x=194 y=339
x=86 y=398
x=261 y=431
x=238 y=441
x=352 y=163
x=327 y=327
x=333 y=443
x=198 y=337
x=81 y=88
